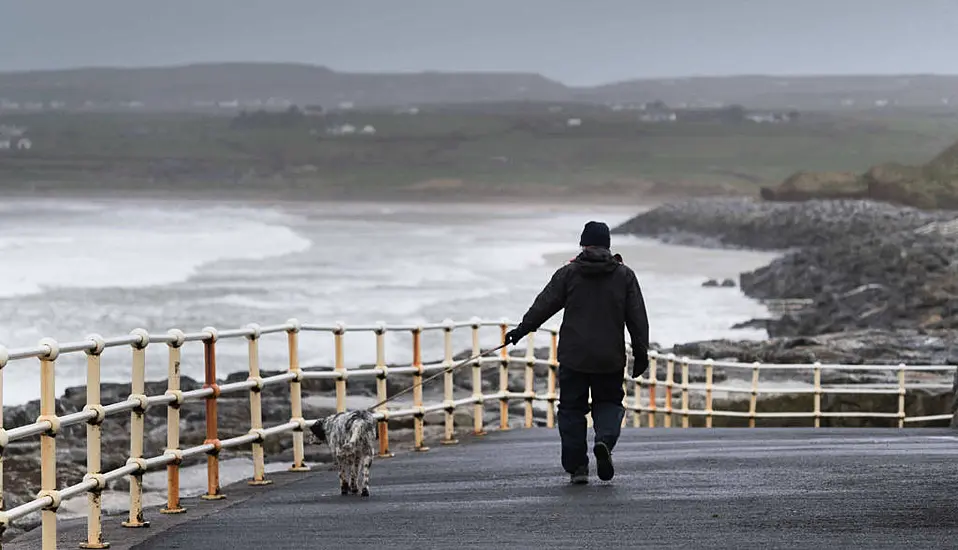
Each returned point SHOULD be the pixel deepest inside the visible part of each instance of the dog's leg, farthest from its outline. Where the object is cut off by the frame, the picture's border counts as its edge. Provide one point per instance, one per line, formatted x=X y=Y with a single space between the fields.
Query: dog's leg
x=343 y=477
x=354 y=466
x=367 y=463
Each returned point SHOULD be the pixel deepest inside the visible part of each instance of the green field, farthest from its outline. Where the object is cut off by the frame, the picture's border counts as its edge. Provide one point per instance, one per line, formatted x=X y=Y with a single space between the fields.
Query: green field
x=495 y=149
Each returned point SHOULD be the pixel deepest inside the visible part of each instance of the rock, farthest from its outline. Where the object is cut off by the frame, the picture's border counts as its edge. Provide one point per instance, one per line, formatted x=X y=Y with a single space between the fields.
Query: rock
x=887 y=280
x=749 y=223
x=728 y=283
x=803 y=186
x=710 y=283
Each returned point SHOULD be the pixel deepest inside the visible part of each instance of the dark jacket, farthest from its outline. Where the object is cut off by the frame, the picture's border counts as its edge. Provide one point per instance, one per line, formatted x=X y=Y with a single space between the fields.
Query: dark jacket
x=601 y=297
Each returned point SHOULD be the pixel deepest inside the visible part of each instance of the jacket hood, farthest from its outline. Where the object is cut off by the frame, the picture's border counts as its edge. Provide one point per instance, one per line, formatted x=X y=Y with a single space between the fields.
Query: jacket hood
x=595 y=261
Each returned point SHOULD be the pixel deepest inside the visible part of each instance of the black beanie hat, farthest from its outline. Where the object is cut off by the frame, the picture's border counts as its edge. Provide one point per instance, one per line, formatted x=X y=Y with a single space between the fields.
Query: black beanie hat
x=595 y=234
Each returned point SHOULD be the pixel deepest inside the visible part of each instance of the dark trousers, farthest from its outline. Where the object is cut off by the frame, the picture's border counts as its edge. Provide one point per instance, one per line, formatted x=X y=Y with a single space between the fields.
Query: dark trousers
x=607 y=413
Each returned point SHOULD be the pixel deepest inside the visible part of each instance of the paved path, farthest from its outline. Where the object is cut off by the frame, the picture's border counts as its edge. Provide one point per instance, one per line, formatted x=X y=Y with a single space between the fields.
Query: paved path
x=696 y=488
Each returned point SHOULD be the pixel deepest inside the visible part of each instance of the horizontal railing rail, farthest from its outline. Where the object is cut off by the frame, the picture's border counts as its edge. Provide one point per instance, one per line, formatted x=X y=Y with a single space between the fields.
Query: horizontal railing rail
x=645 y=401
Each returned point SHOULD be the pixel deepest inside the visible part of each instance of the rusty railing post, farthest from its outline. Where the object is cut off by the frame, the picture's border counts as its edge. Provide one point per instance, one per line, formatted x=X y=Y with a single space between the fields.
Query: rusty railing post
x=212 y=431
x=340 y=366
x=448 y=396
x=382 y=390
x=530 y=388
x=503 y=378
x=478 y=410
x=138 y=394
x=417 y=390
x=296 y=395
x=256 y=409
x=637 y=393
x=551 y=396
x=94 y=529
x=653 y=380
x=174 y=349
x=48 y=443
x=669 y=383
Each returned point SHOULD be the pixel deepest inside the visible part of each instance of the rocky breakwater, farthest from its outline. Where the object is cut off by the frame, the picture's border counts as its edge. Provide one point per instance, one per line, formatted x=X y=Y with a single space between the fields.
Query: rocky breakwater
x=22 y=458
x=880 y=281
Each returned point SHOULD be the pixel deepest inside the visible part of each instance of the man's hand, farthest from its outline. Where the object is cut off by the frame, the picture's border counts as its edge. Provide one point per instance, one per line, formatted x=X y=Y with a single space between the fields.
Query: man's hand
x=513 y=336
x=640 y=362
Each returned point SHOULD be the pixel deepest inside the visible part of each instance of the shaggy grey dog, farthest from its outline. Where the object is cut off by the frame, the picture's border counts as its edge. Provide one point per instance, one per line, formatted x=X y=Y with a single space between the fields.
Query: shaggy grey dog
x=351 y=436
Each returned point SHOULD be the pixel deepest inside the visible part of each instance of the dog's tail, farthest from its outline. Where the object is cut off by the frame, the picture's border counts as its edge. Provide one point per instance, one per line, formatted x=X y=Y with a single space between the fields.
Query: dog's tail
x=355 y=438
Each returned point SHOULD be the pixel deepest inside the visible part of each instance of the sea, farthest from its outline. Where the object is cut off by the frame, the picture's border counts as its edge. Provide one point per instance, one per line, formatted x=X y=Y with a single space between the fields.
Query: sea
x=71 y=268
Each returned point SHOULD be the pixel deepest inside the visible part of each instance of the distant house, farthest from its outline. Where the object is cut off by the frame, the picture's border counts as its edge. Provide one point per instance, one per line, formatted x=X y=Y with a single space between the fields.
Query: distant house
x=657 y=111
x=369 y=130
x=668 y=116
x=574 y=122
x=4 y=144
x=768 y=118
x=345 y=129
x=24 y=144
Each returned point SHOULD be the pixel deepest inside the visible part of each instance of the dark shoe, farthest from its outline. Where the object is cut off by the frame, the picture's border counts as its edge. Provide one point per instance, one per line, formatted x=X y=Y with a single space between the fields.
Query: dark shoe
x=581 y=476
x=603 y=461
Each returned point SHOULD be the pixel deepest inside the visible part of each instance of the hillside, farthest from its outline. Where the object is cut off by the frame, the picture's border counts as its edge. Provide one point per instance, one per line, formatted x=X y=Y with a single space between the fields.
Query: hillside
x=488 y=150
x=203 y=85
x=932 y=185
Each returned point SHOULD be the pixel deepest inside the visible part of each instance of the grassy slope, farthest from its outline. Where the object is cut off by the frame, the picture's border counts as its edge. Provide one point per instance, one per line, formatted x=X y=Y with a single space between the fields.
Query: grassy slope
x=489 y=148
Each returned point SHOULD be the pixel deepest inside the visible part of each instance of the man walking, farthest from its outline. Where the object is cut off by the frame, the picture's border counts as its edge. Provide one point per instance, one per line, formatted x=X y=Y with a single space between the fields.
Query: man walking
x=602 y=298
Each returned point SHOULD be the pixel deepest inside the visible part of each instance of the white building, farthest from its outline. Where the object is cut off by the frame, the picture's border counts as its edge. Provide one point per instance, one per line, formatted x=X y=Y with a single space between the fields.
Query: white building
x=369 y=130
x=25 y=144
x=574 y=122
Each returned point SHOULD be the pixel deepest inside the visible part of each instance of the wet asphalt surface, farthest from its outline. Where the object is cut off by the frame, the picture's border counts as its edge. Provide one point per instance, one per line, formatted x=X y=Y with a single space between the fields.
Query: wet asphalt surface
x=695 y=488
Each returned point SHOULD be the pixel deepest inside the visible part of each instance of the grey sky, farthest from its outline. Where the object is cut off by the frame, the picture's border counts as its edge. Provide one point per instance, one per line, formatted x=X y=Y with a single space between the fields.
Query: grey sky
x=575 y=41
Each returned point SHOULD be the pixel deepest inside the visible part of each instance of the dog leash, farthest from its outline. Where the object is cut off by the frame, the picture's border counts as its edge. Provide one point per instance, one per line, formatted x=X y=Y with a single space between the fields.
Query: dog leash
x=443 y=371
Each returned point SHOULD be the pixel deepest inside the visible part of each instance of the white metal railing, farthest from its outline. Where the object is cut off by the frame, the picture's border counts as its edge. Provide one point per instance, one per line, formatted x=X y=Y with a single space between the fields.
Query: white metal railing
x=94 y=414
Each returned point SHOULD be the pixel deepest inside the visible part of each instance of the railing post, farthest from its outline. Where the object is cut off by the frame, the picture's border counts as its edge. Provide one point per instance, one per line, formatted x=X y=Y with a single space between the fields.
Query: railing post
x=339 y=365
x=256 y=409
x=669 y=382
x=530 y=388
x=901 y=395
x=551 y=396
x=685 y=392
x=382 y=390
x=448 y=396
x=478 y=411
x=817 y=380
x=94 y=529
x=296 y=392
x=137 y=393
x=175 y=347
x=637 y=393
x=212 y=431
x=709 y=365
x=753 y=400
x=652 y=382
x=503 y=378
x=417 y=390
x=48 y=443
